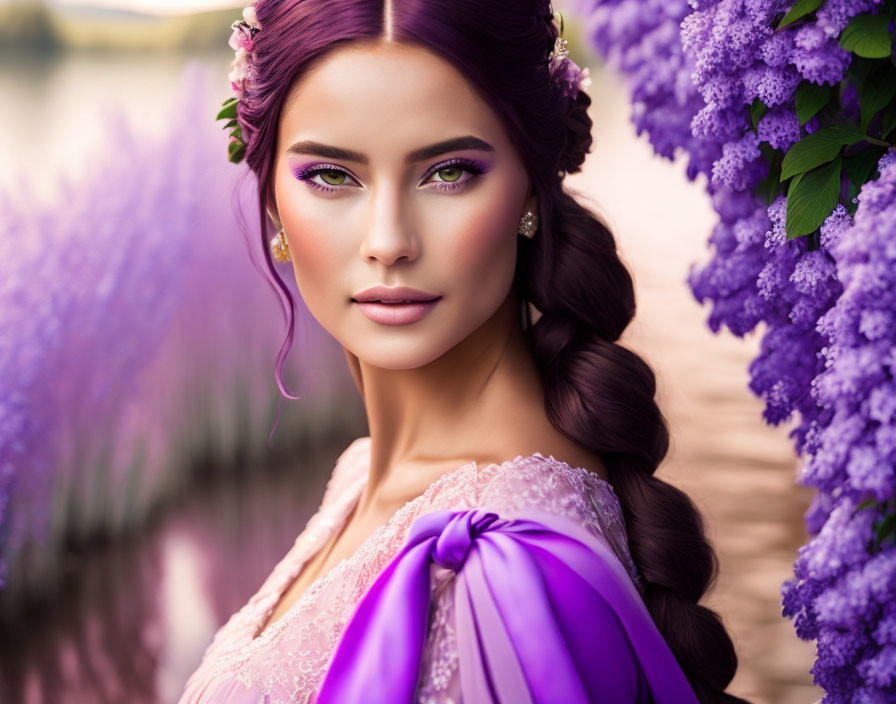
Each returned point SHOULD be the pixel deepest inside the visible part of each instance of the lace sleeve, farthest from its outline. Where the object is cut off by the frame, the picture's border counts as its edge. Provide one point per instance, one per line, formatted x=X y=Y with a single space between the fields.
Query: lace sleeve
x=554 y=486
x=537 y=482
x=542 y=612
x=439 y=681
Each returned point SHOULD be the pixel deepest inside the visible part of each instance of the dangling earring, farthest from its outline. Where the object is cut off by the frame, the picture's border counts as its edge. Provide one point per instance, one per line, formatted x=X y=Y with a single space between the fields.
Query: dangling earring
x=528 y=224
x=279 y=247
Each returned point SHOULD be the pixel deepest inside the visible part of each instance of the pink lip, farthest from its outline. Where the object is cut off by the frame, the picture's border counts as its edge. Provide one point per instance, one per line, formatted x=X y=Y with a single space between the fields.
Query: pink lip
x=393 y=293
x=397 y=313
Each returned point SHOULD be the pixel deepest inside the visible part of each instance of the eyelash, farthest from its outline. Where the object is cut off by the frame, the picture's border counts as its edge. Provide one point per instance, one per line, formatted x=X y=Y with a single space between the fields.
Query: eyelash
x=468 y=165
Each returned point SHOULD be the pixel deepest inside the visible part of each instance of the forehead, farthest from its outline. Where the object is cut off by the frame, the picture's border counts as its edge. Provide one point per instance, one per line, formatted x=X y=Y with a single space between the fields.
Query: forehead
x=385 y=90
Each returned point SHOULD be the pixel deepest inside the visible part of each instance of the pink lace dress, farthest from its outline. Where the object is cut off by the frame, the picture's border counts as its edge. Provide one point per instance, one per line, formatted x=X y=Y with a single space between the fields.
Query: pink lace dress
x=288 y=661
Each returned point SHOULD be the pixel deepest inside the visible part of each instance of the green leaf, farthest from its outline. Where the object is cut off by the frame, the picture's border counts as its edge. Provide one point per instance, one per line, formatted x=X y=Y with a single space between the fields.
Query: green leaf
x=757 y=110
x=888 y=120
x=772 y=155
x=818 y=148
x=860 y=165
x=800 y=8
x=876 y=93
x=232 y=123
x=811 y=198
x=791 y=188
x=868 y=36
x=884 y=528
x=867 y=503
x=236 y=151
x=238 y=132
x=858 y=71
x=810 y=98
x=770 y=186
x=228 y=112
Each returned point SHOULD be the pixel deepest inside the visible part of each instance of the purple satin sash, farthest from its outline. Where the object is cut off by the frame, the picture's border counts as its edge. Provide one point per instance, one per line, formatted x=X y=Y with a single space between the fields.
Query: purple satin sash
x=544 y=612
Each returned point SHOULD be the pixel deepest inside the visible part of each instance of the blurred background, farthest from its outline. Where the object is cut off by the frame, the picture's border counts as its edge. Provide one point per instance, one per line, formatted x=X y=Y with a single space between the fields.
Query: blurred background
x=140 y=501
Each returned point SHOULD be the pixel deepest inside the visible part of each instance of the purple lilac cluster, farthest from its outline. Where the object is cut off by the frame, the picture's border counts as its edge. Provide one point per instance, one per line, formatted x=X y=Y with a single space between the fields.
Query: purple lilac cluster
x=694 y=69
x=827 y=348
x=783 y=283
x=641 y=39
x=843 y=593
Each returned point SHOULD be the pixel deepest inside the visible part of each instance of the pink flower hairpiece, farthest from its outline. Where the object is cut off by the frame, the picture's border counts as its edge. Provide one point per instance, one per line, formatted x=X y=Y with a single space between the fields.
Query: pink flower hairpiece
x=242 y=41
x=564 y=70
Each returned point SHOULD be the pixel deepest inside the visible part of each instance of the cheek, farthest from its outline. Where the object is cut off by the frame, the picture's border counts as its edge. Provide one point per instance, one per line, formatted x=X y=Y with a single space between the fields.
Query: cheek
x=309 y=236
x=316 y=256
x=485 y=248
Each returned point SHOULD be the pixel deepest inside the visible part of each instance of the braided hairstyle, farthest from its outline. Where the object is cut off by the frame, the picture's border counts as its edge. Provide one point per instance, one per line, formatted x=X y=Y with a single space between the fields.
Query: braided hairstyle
x=601 y=395
x=597 y=392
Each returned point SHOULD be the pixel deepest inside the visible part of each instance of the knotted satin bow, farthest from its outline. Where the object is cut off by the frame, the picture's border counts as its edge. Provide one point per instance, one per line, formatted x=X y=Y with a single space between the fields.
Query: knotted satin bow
x=544 y=612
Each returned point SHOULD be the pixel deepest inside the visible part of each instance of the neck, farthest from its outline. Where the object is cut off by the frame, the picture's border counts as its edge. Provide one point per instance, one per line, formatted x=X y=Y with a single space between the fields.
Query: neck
x=478 y=401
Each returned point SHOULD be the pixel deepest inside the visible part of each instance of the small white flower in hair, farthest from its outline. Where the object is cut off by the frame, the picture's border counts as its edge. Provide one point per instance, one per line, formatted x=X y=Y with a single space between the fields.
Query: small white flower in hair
x=250 y=17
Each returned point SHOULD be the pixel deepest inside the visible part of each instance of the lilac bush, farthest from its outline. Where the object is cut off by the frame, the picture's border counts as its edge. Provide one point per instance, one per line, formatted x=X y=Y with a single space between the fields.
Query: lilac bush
x=788 y=111
x=843 y=590
x=136 y=338
x=641 y=39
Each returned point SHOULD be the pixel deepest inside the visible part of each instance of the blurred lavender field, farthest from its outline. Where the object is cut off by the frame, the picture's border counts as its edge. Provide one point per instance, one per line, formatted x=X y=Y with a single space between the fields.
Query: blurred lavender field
x=136 y=385
x=136 y=338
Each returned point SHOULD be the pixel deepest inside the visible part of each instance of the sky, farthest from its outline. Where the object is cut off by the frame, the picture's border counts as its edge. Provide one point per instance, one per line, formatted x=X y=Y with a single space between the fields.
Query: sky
x=165 y=7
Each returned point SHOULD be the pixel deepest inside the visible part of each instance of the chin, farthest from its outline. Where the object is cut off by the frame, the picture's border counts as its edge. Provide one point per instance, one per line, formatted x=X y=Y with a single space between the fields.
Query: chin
x=404 y=355
x=406 y=349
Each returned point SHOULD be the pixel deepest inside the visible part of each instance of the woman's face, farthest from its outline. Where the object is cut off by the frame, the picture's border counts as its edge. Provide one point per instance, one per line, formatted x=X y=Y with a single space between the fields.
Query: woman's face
x=361 y=207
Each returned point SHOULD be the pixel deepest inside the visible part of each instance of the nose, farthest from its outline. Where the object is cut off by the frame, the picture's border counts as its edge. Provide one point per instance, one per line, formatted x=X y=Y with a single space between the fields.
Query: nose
x=390 y=234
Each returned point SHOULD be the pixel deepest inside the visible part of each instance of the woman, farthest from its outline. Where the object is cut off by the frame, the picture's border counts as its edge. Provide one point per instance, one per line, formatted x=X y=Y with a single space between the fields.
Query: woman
x=415 y=151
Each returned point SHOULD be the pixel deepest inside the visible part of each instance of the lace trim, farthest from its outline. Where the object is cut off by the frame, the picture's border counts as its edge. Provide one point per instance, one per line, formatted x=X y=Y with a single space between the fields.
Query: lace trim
x=609 y=517
x=549 y=484
x=307 y=599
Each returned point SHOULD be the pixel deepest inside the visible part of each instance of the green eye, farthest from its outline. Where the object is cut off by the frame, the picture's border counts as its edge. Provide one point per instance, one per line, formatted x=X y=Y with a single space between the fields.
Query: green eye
x=333 y=174
x=450 y=169
x=338 y=174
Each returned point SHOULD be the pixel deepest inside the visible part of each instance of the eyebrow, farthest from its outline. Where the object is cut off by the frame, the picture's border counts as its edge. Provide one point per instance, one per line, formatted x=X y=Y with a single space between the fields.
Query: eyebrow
x=449 y=145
